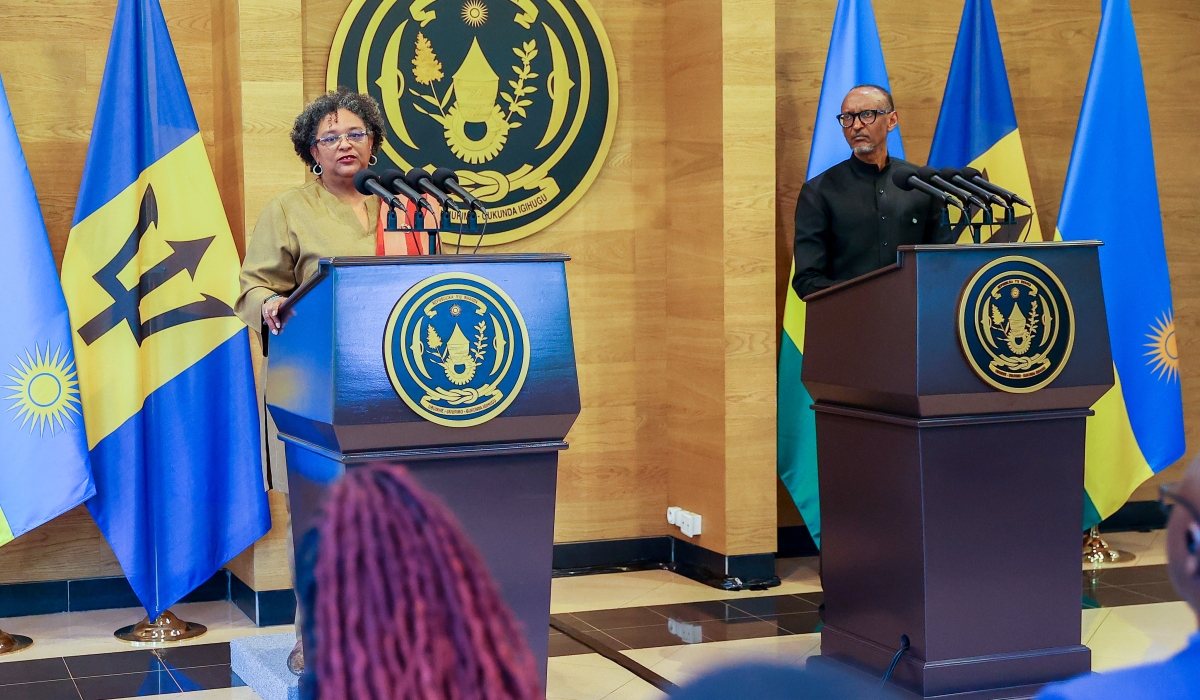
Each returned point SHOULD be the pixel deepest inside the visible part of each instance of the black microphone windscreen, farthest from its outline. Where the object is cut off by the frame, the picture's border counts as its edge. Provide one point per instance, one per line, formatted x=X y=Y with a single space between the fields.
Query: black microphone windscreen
x=387 y=177
x=948 y=173
x=969 y=172
x=441 y=175
x=413 y=177
x=360 y=180
x=901 y=176
x=926 y=172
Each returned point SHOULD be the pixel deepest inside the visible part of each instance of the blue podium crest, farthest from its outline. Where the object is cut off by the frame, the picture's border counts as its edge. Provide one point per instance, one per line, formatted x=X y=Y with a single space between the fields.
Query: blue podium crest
x=456 y=349
x=1016 y=324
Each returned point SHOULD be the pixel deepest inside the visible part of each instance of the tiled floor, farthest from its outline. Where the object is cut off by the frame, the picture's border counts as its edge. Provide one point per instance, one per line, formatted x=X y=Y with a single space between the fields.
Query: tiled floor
x=676 y=628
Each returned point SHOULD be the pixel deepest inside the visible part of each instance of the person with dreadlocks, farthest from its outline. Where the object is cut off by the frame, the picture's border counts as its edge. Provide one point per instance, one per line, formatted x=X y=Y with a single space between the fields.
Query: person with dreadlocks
x=403 y=606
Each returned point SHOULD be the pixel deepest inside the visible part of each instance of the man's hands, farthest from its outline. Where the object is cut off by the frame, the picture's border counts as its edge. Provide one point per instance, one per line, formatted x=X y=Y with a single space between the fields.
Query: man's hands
x=270 y=313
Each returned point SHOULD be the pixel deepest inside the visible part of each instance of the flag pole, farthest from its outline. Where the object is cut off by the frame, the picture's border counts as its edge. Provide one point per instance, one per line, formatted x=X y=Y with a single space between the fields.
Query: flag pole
x=1097 y=552
x=167 y=628
x=12 y=643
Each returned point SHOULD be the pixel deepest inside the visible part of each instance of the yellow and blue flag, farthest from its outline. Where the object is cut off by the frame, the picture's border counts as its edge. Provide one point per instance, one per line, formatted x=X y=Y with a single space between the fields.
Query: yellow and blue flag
x=855 y=58
x=977 y=125
x=1111 y=194
x=44 y=466
x=151 y=275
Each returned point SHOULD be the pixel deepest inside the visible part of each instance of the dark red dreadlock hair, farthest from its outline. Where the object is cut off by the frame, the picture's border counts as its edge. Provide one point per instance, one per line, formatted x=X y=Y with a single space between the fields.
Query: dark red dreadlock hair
x=405 y=607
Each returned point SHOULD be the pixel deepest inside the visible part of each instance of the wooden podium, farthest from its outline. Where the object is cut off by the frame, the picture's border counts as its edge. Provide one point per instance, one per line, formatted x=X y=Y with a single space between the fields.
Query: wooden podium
x=951 y=497
x=460 y=367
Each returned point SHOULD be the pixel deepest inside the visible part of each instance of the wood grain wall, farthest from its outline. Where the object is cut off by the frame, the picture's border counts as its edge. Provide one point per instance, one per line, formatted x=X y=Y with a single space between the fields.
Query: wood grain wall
x=670 y=294
x=1048 y=48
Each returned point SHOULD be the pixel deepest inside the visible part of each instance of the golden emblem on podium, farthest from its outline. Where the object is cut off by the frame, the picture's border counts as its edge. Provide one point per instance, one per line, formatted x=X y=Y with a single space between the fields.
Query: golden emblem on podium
x=456 y=349
x=1016 y=324
x=518 y=97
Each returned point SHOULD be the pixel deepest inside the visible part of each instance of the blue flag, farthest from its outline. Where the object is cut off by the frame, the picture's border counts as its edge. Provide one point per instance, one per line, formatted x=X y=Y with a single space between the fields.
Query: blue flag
x=44 y=469
x=977 y=125
x=150 y=275
x=855 y=58
x=1111 y=194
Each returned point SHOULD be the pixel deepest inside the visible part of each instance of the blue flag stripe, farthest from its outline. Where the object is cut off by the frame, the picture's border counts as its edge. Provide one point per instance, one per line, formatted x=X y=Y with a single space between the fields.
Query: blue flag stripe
x=44 y=466
x=855 y=57
x=128 y=136
x=155 y=457
x=1111 y=194
x=977 y=107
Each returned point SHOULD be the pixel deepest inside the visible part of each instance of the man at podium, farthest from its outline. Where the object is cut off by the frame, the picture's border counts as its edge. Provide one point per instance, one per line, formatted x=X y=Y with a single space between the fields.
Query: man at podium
x=851 y=218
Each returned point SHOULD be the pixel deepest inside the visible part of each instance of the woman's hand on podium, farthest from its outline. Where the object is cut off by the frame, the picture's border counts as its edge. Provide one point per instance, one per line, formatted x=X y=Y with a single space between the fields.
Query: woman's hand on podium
x=270 y=313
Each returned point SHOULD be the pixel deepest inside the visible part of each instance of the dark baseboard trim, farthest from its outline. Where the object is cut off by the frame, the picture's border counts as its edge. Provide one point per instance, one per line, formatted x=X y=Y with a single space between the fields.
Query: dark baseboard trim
x=264 y=608
x=79 y=595
x=733 y=573
x=1140 y=516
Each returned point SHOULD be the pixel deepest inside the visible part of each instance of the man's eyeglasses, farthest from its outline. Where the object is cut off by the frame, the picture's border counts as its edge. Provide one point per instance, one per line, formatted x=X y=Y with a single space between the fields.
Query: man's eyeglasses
x=1168 y=496
x=332 y=140
x=867 y=117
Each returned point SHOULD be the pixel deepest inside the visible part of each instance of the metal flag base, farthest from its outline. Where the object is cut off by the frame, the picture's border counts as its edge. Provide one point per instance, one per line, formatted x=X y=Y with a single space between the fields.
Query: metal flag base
x=1097 y=552
x=166 y=629
x=12 y=643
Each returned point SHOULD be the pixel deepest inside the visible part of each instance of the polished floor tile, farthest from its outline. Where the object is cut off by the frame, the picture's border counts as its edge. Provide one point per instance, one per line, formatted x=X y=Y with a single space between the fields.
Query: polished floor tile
x=585 y=677
x=45 y=690
x=33 y=671
x=128 y=685
x=78 y=633
x=680 y=664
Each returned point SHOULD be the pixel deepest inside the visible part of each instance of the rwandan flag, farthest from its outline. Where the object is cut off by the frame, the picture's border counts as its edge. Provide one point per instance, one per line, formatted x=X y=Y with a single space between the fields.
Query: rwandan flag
x=44 y=469
x=151 y=275
x=977 y=125
x=855 y=57
x=1111 y=194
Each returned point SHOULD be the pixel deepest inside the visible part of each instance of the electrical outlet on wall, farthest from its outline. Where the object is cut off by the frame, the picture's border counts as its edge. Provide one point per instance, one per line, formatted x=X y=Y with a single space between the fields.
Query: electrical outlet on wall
x=687 y=521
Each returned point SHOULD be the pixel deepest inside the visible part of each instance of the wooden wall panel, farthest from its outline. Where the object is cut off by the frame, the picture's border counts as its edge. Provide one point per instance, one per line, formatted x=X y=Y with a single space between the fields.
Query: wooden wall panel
x=1048 y=48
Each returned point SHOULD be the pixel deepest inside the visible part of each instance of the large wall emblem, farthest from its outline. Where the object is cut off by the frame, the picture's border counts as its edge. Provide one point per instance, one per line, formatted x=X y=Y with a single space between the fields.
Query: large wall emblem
x=519 y=97
x=456 y=349
x=1016 y=324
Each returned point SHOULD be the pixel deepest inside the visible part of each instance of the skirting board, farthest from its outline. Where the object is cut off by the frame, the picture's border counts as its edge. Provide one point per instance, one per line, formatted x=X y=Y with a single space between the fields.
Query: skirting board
x=278 y=607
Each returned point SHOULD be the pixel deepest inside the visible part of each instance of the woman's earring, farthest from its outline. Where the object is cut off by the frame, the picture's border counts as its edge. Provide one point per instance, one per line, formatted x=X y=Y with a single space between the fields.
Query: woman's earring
x=317 y=169
x=372 y=160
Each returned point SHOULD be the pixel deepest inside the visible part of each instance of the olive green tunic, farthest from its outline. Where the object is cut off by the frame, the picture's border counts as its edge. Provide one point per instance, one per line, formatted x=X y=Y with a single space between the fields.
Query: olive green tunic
x=294 y=231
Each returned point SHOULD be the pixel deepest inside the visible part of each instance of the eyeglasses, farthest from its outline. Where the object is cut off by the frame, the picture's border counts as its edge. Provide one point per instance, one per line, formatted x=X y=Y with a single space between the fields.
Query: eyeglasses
x=332 y=140
x=867 y=117
x=1168 y=496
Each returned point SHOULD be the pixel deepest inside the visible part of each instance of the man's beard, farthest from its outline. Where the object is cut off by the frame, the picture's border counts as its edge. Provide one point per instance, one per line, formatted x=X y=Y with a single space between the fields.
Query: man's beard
x=864 y=149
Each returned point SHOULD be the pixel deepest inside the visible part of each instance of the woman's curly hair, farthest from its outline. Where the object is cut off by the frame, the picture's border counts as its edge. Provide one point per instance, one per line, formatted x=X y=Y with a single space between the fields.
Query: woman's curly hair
x=304 y=131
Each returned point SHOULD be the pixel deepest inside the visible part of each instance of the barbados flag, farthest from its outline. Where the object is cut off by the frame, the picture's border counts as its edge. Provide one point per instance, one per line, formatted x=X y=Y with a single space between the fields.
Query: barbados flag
x=977 y=125
x=1111 y=194
x=855 y=58
x=44 y=468
x=151 y=275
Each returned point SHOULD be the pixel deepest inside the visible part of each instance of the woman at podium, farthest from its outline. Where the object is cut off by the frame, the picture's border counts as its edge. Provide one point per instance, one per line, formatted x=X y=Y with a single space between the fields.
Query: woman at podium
x=336 y=136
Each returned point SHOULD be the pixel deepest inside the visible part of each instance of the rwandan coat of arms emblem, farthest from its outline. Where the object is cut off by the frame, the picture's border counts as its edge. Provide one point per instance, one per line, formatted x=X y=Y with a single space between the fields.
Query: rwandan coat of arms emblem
x=456 y=349
x=1016 y=324
x=518 y=97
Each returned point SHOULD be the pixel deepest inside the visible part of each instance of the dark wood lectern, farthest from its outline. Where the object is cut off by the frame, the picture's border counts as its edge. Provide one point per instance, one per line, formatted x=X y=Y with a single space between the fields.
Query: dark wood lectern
x=334 y=397
x=952 y=509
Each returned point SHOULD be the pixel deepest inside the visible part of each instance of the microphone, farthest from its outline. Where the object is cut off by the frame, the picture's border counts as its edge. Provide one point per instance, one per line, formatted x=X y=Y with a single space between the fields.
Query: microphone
x=908 y=180
x=446 y=180
x=931 y=176
x=393 y=179
x=955 y=176
x=418 y=179
x=976 y=177
x=366 y=181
